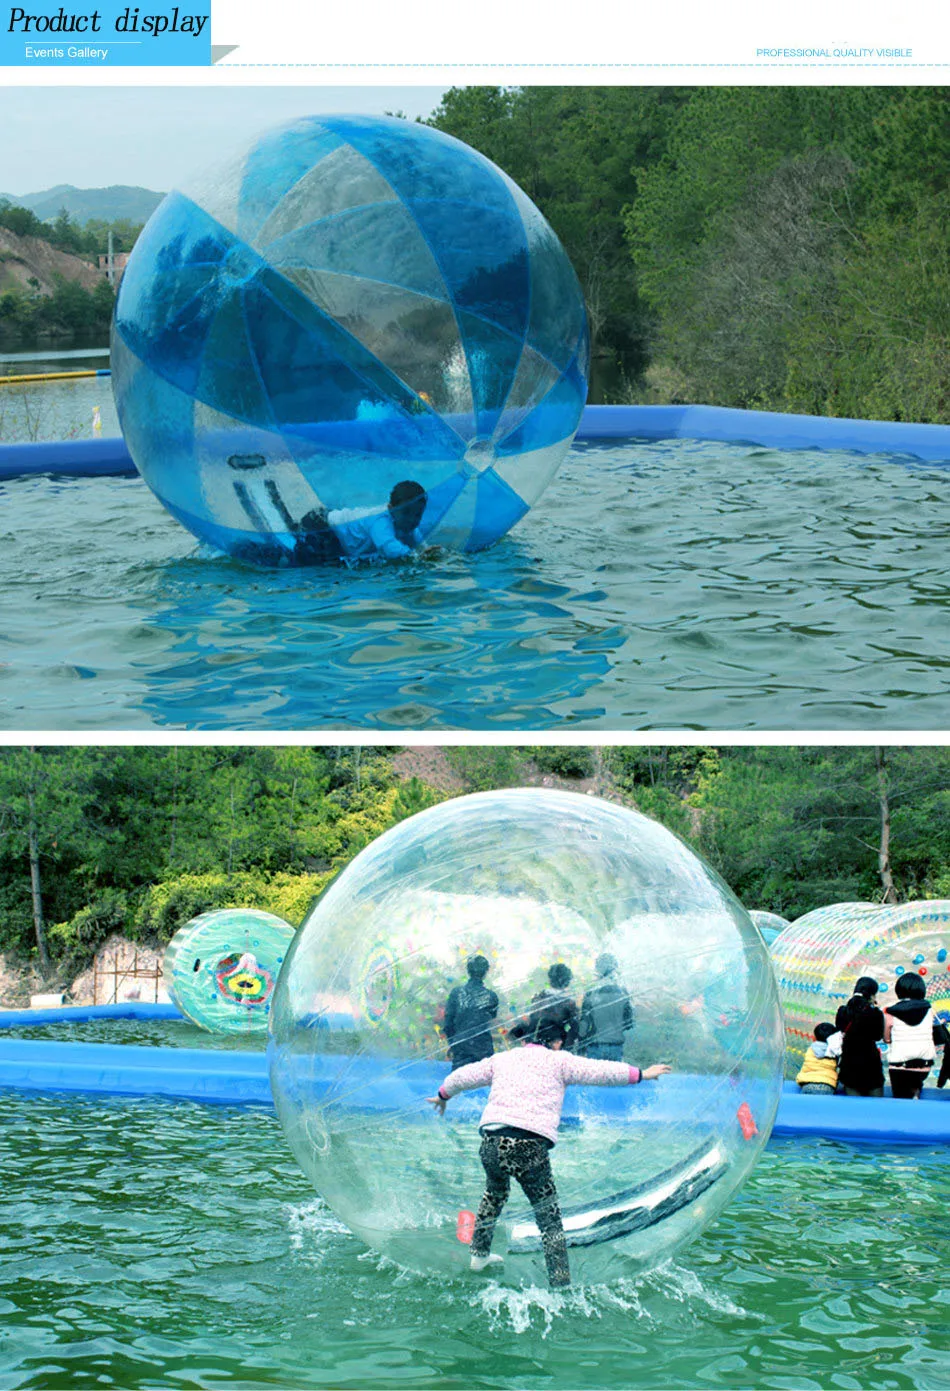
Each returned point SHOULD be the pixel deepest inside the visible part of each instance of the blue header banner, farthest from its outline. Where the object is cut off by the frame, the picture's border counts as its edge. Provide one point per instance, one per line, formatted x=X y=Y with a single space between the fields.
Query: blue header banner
x=104 y=33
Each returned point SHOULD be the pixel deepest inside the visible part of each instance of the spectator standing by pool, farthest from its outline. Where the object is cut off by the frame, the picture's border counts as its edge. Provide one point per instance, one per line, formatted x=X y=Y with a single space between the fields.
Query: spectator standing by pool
x=606 y=1013
x=861 y=1071
x=469 y=1012
x=942 y=1039
x=909 y=1034
x=556 y=1002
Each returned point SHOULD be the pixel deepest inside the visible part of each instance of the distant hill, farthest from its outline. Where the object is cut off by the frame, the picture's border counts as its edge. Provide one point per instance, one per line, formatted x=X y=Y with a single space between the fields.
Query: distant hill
x=109 y=204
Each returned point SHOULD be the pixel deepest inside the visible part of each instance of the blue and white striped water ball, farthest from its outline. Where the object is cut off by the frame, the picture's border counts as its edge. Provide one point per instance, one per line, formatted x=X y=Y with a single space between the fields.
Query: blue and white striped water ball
x=353 y=303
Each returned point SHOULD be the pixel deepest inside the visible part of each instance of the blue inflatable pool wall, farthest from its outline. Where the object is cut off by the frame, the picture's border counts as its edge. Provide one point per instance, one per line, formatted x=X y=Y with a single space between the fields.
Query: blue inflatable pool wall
x=223 y=1078
x=764 y=429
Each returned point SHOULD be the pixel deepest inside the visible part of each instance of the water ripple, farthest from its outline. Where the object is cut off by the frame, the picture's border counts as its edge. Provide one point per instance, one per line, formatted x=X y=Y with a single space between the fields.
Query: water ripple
x=656 y=586
x=160 y=1244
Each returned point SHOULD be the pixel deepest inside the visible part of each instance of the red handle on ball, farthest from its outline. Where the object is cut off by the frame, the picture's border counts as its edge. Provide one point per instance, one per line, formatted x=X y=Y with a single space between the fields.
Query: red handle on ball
x=746 y=1123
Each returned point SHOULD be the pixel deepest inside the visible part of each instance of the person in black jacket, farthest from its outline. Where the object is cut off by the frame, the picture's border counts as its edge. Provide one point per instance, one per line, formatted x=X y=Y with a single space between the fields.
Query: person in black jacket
x=469 y=1012
x=556 y=1002
x=861 y=1071
x=606 y=1013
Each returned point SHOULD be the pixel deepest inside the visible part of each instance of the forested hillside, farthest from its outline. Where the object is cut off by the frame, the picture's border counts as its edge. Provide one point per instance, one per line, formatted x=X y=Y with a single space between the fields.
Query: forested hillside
x=138 y=840
x=49 y=277
x=783 y=248
x=116 y=202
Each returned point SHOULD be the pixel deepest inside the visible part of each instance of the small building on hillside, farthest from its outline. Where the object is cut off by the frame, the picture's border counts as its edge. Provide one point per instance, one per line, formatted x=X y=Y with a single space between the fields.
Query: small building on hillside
x=120 y=259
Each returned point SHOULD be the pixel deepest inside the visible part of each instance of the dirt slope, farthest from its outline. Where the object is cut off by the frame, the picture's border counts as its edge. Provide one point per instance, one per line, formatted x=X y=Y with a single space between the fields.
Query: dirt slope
x=23 y=258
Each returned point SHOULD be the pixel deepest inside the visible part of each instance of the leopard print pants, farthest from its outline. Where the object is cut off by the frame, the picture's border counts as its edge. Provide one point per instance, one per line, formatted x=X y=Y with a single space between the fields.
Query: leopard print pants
x=505 y=1157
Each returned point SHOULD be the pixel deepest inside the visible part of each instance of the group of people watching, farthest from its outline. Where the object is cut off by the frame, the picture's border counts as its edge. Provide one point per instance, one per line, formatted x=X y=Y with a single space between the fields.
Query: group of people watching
x=846 y=1056
x=596 y=1029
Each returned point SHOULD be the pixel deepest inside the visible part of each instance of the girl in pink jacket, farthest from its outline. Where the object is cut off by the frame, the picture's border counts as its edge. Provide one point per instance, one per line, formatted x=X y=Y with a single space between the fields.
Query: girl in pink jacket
x=519 y=1126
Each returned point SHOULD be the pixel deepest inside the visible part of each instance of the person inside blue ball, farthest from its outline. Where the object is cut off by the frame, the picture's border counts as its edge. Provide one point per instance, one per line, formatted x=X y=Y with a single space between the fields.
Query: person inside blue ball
x=320 y=537
x=364 y=534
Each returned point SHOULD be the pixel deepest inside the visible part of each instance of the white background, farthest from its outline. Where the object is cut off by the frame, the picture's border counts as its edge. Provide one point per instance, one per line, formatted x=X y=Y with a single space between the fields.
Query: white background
x=440 y=42
x=627 y=33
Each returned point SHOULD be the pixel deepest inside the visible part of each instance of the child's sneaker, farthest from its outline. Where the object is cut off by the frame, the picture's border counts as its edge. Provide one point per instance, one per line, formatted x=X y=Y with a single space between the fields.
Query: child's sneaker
x=482 y=1262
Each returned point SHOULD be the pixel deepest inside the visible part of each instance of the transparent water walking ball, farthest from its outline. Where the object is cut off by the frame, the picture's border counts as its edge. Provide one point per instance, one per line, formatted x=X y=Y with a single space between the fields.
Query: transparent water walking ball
x=352 y=303
x=526 y=879
x=769 y=924
x=221 y=968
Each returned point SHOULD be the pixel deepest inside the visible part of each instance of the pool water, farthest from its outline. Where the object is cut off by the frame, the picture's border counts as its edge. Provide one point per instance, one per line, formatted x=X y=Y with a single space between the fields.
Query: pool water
x=151 y=1033
x=162 y=1244
x=55 y=410
x=666 y=585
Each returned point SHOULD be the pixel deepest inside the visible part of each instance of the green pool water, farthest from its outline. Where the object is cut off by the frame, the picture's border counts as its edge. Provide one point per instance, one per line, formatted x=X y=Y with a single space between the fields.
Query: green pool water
x=151 y=1244
x=151 y=1033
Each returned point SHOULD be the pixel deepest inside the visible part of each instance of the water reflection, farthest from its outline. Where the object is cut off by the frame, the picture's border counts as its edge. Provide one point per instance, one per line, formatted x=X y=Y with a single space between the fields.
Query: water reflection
x=453 y=643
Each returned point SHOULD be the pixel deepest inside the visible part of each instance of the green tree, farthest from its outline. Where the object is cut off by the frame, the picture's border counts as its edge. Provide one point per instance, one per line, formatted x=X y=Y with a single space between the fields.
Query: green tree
x=94 y=840
x=489 y=767
x=792 y=243
x=64 y=234
x=46 y=837
x=576 y=151
x=21 y=221
x=95 y=235
x=73 y=308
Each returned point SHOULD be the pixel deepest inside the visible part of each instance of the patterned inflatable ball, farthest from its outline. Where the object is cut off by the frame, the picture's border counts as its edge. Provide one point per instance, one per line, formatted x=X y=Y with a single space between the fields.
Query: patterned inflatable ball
x=351 y=305
x=502 y=887
x=819 y=957
x=221 y=968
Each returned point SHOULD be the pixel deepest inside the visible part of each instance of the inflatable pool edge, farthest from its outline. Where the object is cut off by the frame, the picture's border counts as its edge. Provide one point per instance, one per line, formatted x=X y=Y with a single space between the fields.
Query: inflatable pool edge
x=109 y=457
